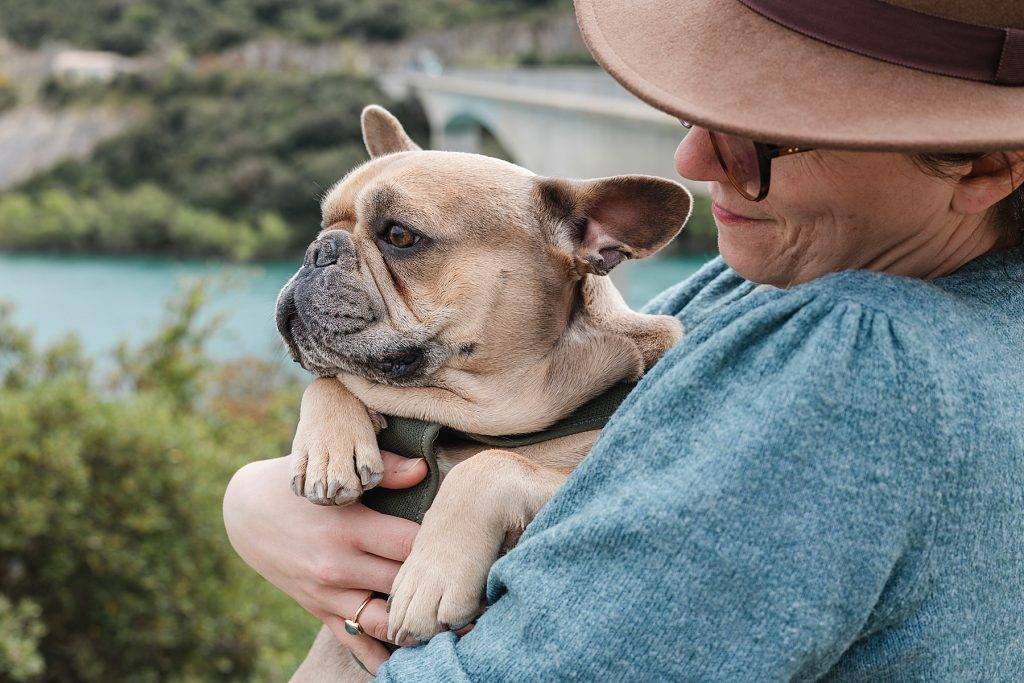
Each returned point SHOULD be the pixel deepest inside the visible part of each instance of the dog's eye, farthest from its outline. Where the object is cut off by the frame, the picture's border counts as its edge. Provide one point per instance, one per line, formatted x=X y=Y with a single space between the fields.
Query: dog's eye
x=397 y=235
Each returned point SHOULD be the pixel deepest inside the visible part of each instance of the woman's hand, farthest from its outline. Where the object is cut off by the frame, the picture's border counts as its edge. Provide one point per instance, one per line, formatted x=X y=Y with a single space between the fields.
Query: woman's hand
x=327 y=558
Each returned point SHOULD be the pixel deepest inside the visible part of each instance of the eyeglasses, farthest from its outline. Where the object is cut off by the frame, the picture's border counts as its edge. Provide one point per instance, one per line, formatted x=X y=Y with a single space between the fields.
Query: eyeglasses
x=746 y=163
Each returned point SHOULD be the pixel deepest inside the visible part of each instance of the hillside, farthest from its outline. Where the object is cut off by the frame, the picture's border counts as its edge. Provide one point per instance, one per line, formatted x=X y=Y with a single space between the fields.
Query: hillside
x=230 y=164
x=134 y=26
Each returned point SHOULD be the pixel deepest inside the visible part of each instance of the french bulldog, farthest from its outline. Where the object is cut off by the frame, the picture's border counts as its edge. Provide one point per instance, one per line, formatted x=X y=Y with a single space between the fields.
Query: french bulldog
x=467 y=291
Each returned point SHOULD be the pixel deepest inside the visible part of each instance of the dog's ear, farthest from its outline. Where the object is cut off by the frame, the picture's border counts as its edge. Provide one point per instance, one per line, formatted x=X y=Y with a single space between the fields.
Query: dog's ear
x=383 y=134
x=600 y=223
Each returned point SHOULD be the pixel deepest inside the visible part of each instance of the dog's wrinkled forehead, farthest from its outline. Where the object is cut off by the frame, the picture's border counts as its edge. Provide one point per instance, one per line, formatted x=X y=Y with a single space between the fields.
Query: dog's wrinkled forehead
x=440 y=183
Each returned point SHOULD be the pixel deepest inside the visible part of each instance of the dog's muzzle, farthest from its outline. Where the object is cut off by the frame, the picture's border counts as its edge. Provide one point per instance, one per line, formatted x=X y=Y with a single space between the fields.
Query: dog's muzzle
x=323 y=302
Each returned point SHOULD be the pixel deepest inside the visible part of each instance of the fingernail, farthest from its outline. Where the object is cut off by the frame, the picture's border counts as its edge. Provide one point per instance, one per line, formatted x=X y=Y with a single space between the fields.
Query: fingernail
x=408 y=464
x=361 y=665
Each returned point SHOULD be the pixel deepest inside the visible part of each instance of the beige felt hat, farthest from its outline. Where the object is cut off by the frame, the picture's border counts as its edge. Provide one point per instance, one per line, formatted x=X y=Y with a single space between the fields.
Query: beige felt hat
x=905 y=75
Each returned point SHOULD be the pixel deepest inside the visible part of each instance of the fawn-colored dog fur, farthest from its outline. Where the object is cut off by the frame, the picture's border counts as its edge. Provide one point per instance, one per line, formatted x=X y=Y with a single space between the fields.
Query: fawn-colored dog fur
x=467 y=291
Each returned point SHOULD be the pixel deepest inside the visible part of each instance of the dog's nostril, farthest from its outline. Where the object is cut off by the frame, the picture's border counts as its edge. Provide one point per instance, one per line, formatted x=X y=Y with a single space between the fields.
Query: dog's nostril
x=325 y=253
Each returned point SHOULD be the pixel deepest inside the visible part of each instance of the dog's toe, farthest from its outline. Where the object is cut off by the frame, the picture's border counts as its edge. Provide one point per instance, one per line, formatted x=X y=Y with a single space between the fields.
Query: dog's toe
x=343 y=495
x=317 y=494
x=456 y=609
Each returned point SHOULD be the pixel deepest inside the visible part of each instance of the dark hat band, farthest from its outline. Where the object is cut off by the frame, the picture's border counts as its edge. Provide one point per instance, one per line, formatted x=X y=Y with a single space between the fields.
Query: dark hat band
x=906 y=37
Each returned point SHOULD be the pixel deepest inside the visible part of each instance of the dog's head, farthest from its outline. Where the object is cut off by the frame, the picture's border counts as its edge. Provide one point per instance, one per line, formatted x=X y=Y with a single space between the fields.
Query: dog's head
x=467 y=290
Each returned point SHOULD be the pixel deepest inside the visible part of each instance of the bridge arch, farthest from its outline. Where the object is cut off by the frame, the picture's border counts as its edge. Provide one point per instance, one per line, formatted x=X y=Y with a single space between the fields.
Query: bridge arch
x=466 y=132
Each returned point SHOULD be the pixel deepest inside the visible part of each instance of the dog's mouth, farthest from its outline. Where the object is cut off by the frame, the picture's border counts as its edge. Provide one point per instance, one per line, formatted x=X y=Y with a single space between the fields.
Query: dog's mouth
x=400 y=366
x=327 y=347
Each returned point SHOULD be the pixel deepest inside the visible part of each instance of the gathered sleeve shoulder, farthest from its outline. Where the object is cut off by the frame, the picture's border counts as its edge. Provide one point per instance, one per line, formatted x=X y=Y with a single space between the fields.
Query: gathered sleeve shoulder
x=765 y=497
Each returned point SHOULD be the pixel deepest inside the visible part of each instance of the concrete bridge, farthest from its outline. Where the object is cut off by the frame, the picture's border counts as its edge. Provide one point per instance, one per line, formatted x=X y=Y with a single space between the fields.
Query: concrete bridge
x=575 y=122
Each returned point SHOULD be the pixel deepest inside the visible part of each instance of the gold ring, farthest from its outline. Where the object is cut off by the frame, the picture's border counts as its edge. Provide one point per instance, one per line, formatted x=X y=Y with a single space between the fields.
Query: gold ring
x=352 y=625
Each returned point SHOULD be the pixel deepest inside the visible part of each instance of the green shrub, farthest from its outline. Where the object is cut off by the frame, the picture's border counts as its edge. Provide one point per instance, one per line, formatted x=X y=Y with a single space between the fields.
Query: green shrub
x=21 y=629
x=114 y=565
x=17 y=221
x=144 y=220
x=8 y=93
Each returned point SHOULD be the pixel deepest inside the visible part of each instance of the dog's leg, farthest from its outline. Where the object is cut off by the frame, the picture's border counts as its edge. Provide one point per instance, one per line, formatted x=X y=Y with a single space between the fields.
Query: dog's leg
x=480 y=502
x=328 y=662
x=334 y=455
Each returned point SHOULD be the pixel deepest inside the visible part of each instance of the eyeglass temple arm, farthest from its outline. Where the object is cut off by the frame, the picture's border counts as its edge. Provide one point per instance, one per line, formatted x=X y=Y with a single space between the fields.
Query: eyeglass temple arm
x=777 y=152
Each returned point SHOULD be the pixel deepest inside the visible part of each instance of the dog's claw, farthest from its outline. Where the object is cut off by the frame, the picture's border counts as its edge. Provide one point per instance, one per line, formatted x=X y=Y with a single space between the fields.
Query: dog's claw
x=318 y=490
x=297 y=482
x=344 y=496
x=368 y=478
x=332 y=489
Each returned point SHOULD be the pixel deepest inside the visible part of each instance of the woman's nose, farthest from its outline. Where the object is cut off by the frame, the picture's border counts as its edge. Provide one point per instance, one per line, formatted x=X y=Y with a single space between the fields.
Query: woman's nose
x=695 y=158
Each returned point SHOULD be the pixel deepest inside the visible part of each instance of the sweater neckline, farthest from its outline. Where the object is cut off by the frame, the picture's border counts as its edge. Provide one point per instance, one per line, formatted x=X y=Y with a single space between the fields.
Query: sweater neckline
x=1007 y=263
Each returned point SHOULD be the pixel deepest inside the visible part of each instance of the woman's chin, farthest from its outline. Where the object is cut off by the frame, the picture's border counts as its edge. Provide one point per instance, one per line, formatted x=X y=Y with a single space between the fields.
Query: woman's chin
x=751 y=256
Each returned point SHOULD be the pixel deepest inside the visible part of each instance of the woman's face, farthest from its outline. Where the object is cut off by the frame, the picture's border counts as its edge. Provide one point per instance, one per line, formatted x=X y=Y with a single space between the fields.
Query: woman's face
x=829 y=211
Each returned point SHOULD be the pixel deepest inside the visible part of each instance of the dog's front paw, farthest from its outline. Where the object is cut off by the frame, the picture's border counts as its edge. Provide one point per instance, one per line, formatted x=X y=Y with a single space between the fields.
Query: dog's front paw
x=440 y=587
x=333 y=464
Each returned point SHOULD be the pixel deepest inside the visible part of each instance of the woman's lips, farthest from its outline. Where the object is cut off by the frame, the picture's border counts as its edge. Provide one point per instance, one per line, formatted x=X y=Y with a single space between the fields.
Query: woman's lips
x=727 y=216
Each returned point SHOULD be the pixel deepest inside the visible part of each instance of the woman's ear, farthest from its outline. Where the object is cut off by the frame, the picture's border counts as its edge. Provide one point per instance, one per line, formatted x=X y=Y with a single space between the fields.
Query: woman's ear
x=988 y=181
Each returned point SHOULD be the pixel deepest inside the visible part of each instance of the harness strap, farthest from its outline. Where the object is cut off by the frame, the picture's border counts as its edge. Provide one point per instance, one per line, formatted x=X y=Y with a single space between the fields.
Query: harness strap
x=416 y=438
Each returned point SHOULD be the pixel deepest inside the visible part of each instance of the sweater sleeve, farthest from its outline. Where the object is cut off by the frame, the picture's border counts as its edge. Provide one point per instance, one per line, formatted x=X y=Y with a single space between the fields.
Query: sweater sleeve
x=761 y=500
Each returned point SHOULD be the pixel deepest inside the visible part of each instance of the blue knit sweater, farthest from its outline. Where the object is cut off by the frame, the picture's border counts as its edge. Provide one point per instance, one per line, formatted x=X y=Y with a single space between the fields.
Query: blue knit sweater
x=820 y=483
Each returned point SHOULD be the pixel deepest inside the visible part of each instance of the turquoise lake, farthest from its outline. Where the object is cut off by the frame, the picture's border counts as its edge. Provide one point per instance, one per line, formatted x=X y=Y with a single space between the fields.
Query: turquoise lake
x=104 y=300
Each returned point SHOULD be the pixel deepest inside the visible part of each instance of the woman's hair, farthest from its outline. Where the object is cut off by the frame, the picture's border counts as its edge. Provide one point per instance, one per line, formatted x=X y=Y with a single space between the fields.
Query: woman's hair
x=1009 y=213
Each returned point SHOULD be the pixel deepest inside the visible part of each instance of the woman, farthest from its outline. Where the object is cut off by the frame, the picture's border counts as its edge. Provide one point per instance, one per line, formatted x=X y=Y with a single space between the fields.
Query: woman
x=823 y=480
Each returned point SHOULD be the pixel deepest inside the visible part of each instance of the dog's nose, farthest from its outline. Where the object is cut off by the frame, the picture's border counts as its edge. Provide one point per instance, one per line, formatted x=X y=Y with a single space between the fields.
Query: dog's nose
x=328 y=249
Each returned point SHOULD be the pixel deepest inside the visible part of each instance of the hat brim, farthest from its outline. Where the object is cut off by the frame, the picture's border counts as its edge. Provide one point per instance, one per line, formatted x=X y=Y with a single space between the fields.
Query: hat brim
x=721 y=65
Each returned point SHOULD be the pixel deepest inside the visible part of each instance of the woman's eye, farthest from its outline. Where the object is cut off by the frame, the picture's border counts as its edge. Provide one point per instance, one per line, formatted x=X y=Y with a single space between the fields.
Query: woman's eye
x=400 y=236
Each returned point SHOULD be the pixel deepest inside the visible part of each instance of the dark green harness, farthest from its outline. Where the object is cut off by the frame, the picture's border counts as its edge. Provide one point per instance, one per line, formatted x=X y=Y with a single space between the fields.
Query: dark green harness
x=417 y=439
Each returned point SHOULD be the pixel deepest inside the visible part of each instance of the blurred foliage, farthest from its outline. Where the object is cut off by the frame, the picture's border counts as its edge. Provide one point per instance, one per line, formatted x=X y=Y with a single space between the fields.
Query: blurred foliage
x=114 y=564
x=230 y=164
x=134 y=26
x=21 y=628
x=537 y=59
x=144 y=219
x=700 y=236
x=8 y=92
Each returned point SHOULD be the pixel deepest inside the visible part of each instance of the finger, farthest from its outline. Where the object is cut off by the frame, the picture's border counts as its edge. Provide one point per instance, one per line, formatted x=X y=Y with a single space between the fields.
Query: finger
x=376 y=574
x=401 y=473
x=344 y=602
x=384 y=535
x=369 y=652
x=373 y=620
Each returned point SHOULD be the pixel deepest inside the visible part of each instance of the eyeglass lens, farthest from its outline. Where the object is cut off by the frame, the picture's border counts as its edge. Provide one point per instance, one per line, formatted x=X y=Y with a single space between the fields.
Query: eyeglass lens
x=739 y=158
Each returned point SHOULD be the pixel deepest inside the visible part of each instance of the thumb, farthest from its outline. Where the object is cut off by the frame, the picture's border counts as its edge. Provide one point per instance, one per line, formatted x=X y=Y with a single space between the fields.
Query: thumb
x=400 y=472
